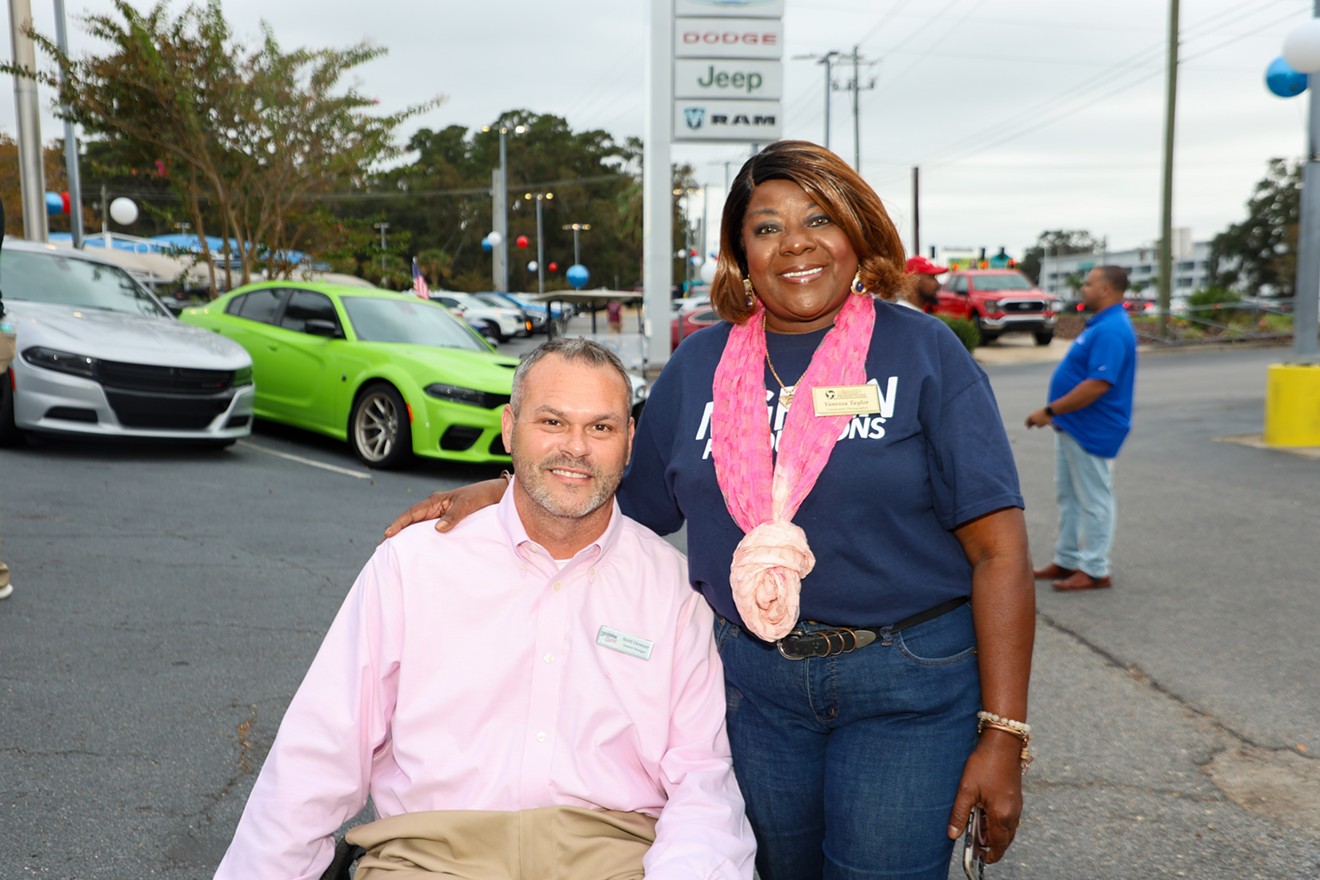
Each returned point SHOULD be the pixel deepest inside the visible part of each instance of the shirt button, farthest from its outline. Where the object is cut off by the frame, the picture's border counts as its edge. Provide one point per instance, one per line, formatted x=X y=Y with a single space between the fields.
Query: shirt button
x=540 y=737
x=549 y=658
x=558 y=585
x=591 y=571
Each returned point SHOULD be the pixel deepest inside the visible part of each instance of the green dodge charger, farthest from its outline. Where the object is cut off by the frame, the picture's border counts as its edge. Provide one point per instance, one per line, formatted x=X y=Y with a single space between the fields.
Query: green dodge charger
x=394 y=375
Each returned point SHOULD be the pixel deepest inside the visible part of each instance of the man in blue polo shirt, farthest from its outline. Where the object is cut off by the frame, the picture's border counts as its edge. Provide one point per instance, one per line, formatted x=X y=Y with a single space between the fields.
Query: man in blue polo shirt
x=1090 y=409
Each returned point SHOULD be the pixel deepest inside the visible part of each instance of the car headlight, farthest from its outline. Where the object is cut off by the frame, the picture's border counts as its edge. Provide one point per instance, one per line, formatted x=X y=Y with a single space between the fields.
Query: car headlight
x=61 y=361
x=469 y=396
x=242 y=376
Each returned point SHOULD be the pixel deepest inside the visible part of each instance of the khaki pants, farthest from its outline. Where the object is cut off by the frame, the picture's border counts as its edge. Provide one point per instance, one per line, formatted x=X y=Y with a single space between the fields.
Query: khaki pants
x=547 y=843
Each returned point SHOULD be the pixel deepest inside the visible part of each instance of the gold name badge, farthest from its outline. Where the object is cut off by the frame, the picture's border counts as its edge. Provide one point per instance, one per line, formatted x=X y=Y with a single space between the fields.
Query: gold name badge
x=846 y=400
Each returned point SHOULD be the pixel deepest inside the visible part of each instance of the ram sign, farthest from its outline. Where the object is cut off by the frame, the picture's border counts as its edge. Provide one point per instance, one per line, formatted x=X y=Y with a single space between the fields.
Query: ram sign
x=746 y=121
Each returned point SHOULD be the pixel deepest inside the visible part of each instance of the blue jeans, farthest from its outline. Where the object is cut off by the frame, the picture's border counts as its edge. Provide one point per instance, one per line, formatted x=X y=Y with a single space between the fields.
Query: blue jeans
x=1084 y=486
x=849 y=764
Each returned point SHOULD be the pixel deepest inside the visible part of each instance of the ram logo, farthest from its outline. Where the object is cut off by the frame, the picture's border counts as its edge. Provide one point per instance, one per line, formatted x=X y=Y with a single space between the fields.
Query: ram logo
x=695 y=116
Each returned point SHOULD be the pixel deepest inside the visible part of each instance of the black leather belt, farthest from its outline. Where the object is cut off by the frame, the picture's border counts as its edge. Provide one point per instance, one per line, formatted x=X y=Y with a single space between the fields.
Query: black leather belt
x=799 y=645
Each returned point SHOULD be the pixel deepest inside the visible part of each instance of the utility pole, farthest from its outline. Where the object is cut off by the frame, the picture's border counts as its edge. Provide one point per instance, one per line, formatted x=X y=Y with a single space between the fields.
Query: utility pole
x=1166 y=223
x=916 y=209
x=855 y=86
x=27 y=113
x=827 y=60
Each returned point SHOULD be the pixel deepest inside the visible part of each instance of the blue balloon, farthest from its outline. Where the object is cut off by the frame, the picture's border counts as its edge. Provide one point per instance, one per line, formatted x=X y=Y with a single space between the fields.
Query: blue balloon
x=54 y=204
x=1283 y=81
x=486 y=245
x=577 y=276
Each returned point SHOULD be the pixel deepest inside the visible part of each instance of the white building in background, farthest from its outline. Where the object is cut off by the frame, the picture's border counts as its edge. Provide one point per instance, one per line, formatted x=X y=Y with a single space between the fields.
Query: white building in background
x=1191 y=268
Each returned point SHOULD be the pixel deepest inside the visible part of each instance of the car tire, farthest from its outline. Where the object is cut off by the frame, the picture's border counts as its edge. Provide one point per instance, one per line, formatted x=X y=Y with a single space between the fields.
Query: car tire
x=10 y=435
x=379 y=429
x=1044 y=337
x=987 y=336
x=493 y=333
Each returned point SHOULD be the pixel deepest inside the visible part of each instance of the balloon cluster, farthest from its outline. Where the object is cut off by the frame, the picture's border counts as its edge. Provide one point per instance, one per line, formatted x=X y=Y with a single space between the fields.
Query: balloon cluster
x=1289 y=75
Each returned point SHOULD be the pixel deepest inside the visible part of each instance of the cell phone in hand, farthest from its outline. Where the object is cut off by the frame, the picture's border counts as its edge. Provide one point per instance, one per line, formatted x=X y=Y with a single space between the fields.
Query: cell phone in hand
x=974 y=844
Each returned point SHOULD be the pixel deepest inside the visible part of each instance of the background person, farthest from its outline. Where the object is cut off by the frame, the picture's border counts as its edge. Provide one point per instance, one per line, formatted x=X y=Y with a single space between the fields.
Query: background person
x=924 y=293
x=852 y=706
x=543 y=674
x=1090 y=409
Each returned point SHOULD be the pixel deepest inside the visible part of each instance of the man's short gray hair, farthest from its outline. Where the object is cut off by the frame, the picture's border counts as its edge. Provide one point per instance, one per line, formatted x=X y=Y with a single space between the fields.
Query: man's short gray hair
x=577 y=349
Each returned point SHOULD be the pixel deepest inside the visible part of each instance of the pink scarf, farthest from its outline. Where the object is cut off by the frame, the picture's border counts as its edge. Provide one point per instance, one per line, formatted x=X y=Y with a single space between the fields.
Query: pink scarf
x=773 y=557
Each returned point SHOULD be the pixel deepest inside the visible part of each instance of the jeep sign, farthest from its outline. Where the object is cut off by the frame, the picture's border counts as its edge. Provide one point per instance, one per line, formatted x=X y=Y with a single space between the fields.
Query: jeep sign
x=714 y=78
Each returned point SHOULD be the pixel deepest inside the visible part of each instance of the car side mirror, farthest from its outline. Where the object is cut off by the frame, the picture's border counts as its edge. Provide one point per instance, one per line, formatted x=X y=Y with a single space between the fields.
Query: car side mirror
x=321 y=327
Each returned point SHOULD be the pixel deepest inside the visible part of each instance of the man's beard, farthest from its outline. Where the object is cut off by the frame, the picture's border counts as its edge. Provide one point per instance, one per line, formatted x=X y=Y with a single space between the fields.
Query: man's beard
x=536 y=482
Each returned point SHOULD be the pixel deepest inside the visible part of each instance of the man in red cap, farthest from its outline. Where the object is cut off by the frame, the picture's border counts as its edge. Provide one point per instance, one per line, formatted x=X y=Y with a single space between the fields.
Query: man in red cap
x=923 y=295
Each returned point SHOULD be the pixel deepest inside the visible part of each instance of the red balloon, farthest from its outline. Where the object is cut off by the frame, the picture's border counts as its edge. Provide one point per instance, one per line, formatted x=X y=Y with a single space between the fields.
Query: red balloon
x=553 y=267
x=521 y=241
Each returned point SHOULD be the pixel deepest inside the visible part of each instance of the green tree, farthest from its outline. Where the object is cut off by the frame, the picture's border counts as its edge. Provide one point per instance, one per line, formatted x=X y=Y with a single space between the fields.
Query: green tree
x=1057 y=242
x=249 y=136
x=1259 y=255
x=440 y=202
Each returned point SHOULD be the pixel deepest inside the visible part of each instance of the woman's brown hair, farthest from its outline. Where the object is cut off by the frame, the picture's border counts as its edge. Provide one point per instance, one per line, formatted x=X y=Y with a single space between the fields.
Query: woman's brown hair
x=840 y=192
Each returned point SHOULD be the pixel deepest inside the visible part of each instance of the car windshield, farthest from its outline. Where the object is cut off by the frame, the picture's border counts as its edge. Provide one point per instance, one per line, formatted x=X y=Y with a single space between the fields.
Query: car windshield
x=1002 y=282
x=409 y=321
x=492 y=301
x=64 y=280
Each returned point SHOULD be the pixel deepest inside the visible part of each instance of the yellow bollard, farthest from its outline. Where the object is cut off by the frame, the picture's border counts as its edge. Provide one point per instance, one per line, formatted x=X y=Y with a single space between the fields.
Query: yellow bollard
x=1292 y=405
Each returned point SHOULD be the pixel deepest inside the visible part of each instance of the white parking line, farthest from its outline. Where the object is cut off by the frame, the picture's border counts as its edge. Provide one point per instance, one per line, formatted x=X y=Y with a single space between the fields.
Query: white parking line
x=361 y=475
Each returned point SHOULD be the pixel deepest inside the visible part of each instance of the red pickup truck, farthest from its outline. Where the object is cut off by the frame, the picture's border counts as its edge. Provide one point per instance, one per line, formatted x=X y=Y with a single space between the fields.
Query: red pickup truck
x=999 y=301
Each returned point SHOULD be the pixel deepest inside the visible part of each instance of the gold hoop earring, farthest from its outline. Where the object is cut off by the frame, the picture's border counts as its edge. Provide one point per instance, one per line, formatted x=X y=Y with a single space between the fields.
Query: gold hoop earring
x=751 y=293
x=857 y=286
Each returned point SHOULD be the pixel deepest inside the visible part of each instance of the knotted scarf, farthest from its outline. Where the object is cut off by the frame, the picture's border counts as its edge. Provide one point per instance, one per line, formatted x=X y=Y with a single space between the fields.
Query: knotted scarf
x=763 y=492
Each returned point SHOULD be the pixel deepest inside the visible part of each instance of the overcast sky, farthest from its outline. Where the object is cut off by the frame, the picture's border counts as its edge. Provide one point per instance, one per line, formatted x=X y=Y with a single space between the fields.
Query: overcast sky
x=1023 y=115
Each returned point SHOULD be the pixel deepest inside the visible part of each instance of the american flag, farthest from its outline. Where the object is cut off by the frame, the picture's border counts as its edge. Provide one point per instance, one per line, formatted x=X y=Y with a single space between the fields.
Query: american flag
x=419 y=283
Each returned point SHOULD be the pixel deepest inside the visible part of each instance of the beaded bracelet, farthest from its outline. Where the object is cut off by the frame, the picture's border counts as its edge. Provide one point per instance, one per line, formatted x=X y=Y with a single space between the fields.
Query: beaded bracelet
x=1020 y=729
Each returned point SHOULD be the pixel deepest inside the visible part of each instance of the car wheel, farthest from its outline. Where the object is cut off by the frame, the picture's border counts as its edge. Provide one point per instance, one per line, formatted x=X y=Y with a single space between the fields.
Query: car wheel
x=987 y=336
x=10 y=435
x=379 y=430
x=1044 y=337
x=492 y=332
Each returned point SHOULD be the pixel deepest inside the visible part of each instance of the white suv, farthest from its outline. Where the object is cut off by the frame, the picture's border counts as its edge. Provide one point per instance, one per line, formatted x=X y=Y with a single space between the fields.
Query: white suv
x=500 y=323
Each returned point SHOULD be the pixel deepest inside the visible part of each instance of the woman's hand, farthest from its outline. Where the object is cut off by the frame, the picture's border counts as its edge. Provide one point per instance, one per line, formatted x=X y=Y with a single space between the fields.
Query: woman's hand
x=992 y=779
x=450 y=508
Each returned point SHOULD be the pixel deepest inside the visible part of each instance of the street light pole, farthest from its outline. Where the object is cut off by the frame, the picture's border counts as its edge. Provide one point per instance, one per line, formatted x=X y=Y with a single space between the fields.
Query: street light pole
x=540 y=242
x=576 y=227
x=501 y=209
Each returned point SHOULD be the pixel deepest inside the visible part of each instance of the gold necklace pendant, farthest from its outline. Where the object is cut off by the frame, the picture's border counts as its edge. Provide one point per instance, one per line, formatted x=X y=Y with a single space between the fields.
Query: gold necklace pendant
x=785 y=394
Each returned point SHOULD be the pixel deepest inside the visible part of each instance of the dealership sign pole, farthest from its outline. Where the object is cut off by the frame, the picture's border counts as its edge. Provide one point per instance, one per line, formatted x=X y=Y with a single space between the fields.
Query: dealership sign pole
x=714 y=74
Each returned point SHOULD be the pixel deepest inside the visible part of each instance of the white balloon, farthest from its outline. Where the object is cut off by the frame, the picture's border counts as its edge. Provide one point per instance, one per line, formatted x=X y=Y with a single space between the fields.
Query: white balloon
x=123 y=211
x=494 y=238
x=708 y=271
x=531 y=267
x=1301 y=48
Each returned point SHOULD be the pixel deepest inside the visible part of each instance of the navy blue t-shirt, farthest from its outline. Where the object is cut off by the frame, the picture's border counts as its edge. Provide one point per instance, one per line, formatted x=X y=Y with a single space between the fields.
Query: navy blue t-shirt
x=879 y=517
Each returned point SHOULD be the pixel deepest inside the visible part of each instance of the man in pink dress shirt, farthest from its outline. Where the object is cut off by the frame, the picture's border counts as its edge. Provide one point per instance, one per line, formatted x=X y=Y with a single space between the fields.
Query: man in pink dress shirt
x=534 y=694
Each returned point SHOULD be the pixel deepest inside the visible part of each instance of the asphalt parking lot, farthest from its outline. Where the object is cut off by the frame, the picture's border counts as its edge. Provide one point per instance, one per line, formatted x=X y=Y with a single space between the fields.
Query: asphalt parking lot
x=167 y=602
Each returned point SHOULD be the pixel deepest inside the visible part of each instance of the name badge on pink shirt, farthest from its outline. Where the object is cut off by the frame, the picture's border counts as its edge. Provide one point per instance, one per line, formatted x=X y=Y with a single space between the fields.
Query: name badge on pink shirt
x=617 y=640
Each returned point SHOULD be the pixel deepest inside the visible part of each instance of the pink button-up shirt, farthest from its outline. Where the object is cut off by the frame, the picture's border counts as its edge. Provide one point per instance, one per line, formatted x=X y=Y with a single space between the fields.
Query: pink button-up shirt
x=469 y=671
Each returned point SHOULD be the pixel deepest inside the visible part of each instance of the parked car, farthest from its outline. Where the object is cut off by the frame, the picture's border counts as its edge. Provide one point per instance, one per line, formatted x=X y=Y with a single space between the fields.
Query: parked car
x=999 y=301
x=536 y=313
x=689 y=321
x=496 y=302
x=392 y=375
x=99 y=355
x=501 y=322
x=528 y=302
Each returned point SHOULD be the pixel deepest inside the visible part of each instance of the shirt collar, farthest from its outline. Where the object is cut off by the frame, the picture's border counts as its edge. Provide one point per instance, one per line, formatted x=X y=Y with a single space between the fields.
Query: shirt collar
x=522 y=544
x=1107 y=311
